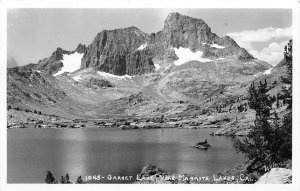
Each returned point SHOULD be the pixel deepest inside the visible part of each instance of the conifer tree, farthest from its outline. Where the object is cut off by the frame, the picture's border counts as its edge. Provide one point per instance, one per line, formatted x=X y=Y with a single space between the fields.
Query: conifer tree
x=286 y=128
x=269 y=141
x=50 y=179
x=79 y=180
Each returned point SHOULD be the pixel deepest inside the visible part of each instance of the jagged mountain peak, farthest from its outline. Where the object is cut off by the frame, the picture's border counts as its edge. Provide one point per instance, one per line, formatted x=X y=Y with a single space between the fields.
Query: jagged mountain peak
x=130 y=29
x=81 y=48
x=177 y=17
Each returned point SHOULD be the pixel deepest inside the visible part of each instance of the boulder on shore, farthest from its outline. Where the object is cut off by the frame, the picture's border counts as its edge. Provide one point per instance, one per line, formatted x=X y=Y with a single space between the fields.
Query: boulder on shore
x=276 y=176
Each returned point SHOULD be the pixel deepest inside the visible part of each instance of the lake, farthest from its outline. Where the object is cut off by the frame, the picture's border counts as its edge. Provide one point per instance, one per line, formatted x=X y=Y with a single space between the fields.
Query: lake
x=92 y=151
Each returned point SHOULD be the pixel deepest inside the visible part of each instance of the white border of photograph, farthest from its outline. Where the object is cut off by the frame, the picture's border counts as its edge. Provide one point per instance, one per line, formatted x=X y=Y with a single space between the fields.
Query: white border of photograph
x=169 y=4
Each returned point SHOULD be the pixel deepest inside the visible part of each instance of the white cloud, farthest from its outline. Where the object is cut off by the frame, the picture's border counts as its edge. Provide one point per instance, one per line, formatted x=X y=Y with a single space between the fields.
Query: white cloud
x=273 y=53
x=261 y=35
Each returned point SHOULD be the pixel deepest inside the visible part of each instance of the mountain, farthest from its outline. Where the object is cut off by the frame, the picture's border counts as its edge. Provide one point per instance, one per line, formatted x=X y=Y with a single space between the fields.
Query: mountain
x=184 y=69
x=118 y=52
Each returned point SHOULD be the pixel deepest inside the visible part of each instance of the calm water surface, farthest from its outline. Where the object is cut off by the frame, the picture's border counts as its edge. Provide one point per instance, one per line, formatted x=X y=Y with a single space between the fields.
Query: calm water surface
x=112 y=151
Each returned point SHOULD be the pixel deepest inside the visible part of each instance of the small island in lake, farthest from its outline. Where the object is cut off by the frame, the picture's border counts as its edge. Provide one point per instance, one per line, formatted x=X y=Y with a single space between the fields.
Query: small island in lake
x=202 y=145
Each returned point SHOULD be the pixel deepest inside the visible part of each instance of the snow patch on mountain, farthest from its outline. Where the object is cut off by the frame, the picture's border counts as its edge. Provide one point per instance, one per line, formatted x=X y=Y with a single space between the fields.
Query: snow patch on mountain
x=143 y=46
x=214 y=45
x=186 y=55
x=217 y=46
x=268 y=71
x=77 y=78
x=108 y=75
x=157 y=66
x=71 y=63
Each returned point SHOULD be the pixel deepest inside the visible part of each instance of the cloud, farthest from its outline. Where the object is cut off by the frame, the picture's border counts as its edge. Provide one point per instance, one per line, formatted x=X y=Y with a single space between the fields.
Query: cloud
x=261 y=35
x=273 y=52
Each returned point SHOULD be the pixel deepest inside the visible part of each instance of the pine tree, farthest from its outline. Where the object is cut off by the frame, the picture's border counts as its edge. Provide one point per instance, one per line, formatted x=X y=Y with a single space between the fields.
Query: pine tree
x=269 y=142
x=258 y=146
x=50 y=179
x=79 y=180
x=67 y=178
x=62 y=180
x=286 y=128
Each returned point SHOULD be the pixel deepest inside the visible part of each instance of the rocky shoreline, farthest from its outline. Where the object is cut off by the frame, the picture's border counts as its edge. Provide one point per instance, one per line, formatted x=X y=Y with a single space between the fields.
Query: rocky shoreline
x=223 y=123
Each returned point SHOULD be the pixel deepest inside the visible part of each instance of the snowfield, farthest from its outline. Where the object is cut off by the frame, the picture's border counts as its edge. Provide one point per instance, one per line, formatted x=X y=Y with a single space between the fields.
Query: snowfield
x=71 y=63
x=186 y=55
x=143 y=46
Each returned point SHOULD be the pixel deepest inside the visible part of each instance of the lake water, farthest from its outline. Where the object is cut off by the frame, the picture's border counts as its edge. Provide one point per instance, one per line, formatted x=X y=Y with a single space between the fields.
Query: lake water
x=112 y=151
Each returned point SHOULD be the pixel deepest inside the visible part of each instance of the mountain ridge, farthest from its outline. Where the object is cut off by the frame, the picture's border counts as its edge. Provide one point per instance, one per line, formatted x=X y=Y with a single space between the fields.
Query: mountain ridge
x=133 y=52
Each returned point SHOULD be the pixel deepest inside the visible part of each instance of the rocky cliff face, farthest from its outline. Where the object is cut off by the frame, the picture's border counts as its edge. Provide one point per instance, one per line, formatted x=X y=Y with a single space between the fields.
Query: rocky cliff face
x=118 y=52
x=184 y=31
x=195 y=34
x=81 y=48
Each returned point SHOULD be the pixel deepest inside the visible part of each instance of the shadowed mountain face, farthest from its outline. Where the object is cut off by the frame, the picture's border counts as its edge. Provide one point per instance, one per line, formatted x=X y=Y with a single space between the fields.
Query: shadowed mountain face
x=126 y=71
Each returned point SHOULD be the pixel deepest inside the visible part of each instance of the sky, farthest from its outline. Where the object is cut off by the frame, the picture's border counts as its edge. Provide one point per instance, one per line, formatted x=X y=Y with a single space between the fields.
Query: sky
x=33 y=34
